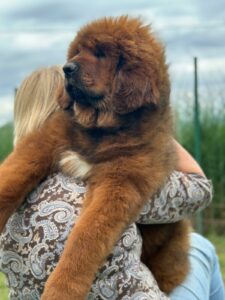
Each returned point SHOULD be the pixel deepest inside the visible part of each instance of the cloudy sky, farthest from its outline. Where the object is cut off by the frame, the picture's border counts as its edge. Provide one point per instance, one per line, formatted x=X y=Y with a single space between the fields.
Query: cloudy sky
x=34 y=34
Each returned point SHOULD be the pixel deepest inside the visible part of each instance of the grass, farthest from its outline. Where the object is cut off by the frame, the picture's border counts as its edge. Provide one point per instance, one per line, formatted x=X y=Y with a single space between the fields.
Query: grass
x=6 y=141
x=218 y=241
x=3 y=289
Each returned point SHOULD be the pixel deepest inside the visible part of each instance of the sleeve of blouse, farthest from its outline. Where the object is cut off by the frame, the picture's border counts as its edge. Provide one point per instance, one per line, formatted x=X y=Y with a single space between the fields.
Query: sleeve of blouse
x=183 y=195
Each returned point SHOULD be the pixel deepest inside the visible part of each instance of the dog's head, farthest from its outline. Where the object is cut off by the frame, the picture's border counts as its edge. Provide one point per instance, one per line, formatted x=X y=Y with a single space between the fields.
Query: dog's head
x=115 y=66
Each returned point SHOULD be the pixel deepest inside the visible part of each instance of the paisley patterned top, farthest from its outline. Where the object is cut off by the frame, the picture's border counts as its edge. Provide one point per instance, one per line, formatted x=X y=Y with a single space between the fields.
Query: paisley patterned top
x=34 y=237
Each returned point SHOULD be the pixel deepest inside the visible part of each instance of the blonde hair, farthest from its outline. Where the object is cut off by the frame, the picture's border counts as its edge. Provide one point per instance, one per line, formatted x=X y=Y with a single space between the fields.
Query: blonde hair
x=35 y=100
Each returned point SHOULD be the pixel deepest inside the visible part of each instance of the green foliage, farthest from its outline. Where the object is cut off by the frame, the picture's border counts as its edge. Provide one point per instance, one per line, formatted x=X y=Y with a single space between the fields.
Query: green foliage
x=3 y=288
x=219 y=243
x=212 y=146
x=212 y=119
x=6 y=140
x=6 y=143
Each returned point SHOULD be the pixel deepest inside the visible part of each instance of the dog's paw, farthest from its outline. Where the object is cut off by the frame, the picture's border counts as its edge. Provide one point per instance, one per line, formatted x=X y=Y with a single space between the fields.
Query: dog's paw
x=7 y=208
x=9 y=201
x=4 y=216
x=59 y=292
x=56 y=294
x=61 y=285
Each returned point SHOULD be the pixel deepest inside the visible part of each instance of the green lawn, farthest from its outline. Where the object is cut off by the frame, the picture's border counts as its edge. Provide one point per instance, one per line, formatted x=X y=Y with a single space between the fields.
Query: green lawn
x=6 y=141
x=3 y=289
x=218 y=241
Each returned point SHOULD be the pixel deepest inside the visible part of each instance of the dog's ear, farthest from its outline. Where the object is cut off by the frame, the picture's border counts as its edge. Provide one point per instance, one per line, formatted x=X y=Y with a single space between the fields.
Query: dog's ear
x=63 y=98
x=132 y=89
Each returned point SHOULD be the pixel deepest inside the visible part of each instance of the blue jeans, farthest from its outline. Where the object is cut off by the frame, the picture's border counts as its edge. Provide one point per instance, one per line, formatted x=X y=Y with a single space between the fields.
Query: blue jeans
x=204 y=281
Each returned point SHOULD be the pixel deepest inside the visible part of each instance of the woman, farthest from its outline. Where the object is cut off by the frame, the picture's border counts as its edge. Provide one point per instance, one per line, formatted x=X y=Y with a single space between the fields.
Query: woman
x=34 y=236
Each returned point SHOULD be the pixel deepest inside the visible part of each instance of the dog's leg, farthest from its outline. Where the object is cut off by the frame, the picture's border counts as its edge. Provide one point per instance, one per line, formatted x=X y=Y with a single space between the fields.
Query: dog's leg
x=116 y=195
x=19 y=173
x=32 y=160
x=169 y=263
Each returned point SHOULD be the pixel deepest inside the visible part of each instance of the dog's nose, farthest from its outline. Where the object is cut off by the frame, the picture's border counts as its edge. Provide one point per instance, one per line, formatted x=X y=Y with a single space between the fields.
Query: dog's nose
x=70 y=68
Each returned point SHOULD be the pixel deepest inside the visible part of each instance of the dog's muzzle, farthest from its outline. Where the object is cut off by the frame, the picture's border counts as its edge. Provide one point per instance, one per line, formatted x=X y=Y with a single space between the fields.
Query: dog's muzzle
x=71 y=68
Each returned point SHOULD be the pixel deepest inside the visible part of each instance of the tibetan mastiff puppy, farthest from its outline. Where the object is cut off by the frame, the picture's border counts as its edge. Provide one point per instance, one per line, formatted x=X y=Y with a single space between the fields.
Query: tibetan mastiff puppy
x=116 y=119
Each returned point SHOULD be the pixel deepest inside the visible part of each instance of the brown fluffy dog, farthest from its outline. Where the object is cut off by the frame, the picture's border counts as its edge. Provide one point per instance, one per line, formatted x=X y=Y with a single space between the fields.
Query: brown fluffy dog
x=118 y=121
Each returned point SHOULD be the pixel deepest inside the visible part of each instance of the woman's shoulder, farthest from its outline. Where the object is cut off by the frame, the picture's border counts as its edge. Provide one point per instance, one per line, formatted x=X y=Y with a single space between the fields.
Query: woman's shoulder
x=60 y=179
x=58 y=183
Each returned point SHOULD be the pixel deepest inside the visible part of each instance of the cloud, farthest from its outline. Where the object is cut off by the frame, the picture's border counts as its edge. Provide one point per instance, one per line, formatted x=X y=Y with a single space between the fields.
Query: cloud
x=212 y=12
x=68 y=14
x=27 y=52
x=29 y=42
x=37 y=34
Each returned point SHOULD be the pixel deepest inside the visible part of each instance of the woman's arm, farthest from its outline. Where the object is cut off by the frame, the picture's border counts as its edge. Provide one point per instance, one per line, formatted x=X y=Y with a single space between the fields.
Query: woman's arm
x=185 y=162
x=186 y=192
x=182 y=196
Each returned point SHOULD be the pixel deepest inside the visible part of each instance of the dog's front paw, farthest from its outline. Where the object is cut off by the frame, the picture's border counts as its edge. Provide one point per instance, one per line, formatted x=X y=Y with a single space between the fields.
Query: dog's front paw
x=4 y=216
x=61 y=285
x=9 y=201
x=55 y=293
x=6 y=210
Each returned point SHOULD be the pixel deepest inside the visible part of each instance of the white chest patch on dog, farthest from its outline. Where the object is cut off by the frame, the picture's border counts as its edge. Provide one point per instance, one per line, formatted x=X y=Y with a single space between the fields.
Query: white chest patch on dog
x=72 y=164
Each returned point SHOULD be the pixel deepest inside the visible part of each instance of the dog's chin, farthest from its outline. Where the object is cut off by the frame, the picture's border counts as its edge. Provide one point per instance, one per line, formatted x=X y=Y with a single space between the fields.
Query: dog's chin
x=84 y=96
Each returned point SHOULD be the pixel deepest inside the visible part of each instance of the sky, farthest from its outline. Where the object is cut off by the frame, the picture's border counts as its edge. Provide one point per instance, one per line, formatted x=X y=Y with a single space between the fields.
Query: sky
x=35 y=34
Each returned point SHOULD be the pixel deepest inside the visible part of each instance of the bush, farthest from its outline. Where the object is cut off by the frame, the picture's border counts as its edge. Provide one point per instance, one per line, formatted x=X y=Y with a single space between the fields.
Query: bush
x=6 y=140
x=212 y=150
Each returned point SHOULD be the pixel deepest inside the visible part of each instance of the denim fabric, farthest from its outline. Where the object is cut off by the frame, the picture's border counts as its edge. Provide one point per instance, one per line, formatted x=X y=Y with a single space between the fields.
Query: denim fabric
x=204 y=281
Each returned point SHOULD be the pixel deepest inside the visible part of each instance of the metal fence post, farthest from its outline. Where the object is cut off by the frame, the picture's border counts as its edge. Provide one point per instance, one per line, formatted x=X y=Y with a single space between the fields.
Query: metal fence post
x=197 y=135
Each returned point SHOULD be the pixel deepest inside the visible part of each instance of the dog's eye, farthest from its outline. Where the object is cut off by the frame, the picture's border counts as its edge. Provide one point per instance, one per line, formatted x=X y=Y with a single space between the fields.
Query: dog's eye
x=99 y=53
x=77 y=50
x=120 y=63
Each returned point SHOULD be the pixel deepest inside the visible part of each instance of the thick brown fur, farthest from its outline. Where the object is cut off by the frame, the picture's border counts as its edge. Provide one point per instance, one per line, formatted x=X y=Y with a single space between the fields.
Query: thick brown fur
x=118 y=120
